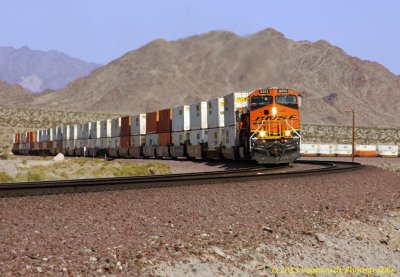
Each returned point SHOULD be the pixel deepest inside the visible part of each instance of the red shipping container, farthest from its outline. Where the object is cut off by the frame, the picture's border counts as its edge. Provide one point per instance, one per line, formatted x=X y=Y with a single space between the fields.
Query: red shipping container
x=165 y=122
x=125 y=142
x=164 y=139
x=152 y=123
x=125 y=126
x=49 y=145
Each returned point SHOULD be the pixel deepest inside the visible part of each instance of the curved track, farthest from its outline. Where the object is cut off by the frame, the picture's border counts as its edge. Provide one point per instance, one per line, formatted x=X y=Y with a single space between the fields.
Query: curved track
x=142 y=182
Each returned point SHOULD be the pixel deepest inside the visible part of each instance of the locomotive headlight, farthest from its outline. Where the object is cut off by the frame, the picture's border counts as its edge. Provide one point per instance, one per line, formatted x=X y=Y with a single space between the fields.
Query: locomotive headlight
x=287 y=133
x=261 y=134
x=274 y=111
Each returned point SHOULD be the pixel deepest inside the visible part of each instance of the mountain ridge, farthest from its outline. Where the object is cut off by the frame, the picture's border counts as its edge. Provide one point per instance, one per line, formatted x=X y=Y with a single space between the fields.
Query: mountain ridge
x=37 y=70
x=164 y=74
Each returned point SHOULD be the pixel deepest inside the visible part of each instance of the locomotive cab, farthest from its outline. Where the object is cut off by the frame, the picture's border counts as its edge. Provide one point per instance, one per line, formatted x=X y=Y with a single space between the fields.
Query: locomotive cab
x=272 y=126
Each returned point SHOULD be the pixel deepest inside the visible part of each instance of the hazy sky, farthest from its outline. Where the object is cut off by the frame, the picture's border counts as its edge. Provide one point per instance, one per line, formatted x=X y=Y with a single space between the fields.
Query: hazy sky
x=102 y=30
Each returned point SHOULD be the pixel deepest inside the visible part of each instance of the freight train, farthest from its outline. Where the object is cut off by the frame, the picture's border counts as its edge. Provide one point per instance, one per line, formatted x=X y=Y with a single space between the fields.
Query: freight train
x=262 y=125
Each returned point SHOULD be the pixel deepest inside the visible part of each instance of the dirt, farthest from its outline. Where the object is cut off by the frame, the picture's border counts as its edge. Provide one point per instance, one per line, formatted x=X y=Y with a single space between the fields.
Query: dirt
x=244 y=229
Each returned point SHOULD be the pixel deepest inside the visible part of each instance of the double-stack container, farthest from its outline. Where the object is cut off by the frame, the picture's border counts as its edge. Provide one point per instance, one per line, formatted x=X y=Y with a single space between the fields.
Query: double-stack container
x=232 y=102
x=138 y=130
x=115 y=139
x=94 y=141
x=16 y=143
x=66 y=136
x=152 y=129
x=105 y=133
x=125 y=136
x=180 y=130
x=215 y=124
x=137 y=135
x=198 y=130
x=73 y=137
x=164 y=132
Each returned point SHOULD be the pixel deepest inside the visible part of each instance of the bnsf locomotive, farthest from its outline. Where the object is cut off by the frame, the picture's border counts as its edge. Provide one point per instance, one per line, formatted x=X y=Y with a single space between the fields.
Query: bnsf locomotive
x=262 y=125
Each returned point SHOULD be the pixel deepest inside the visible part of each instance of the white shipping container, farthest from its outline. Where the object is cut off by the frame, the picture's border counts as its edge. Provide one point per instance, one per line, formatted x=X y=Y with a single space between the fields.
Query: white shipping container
x=79 y=129
x=151 y=139
x=138 y=140
x=94 y=143
x=343 y=150
x=43 y=135
x=198 y=116
x=116 y=127
x=181 y=118
x=138 y=124
x=94 y=130
x=105 y=143
x=24 y=137
x=326 y=149
x=73 y=132
x=216 y=137
x=179 y=138
x=53 y=134
x=105 y=128
x=37 y=135
x=84 y=143
x=232 y=102
x=85 y=130
x=59 y=134
x=388 y=150
x=198 y=136
x=231 y=137
x=215 y=113
x=308 y=149
x=115 y=142
x=66 y=132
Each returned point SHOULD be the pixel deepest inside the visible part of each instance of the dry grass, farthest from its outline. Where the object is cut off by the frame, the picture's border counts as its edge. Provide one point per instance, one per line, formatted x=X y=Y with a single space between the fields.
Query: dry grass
x=79 y=168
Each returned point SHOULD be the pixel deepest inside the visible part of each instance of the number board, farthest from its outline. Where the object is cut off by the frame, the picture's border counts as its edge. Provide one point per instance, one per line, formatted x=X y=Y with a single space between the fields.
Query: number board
x=283 y=90
x=264 y=91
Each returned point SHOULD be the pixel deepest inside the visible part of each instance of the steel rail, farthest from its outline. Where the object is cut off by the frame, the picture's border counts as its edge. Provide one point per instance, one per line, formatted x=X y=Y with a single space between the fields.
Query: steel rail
x=157 y=181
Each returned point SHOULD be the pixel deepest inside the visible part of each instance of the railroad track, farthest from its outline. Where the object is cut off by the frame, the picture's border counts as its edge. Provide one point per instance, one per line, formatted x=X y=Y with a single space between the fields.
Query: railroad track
x=143 y=182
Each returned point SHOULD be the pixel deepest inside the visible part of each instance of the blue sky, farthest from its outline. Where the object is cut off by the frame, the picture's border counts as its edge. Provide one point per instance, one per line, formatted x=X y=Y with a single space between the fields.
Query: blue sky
x=102 y=30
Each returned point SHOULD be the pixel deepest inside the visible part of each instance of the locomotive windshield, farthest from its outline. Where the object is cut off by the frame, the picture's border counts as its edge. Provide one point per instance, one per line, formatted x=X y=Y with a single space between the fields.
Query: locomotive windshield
x=287 y=99
x=260 y=101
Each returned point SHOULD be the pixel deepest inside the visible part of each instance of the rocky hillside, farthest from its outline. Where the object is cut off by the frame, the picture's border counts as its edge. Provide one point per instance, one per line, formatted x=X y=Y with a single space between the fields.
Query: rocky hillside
x=169 y=73
x=38 y=70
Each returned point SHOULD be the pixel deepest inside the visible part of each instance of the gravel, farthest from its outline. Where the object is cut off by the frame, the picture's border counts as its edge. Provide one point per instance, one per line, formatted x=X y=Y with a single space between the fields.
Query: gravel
x=142 y=232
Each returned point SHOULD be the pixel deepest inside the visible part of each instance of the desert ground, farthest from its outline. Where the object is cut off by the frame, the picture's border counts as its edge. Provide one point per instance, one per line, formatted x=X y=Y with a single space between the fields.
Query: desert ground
x=338 y=224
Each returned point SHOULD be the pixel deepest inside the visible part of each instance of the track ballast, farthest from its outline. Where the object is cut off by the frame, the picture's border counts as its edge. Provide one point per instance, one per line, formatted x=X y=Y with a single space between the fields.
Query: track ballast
x=157 y=181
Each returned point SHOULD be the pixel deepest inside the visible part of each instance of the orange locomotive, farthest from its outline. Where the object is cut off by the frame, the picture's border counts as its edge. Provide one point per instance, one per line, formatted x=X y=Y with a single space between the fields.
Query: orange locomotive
x=269 y=127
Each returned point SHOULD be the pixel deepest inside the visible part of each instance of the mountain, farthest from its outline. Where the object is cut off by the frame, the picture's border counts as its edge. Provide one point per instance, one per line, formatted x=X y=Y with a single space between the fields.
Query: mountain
x=37 y=70
x=165 y=74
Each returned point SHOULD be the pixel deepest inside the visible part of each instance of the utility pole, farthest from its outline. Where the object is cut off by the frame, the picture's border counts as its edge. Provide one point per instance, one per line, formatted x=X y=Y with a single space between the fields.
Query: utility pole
x=353 y=138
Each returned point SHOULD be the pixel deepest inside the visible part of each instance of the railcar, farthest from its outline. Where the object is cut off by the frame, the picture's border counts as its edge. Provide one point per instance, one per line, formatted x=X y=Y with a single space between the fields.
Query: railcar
x=261 y=125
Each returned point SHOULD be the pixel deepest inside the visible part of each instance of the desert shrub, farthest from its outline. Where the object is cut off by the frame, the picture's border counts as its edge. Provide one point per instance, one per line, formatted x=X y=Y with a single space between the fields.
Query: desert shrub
x=5 y=178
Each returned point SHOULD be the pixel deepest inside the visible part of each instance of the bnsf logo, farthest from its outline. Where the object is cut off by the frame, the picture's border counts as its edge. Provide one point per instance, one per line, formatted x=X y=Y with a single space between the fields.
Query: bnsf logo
x=269 y=117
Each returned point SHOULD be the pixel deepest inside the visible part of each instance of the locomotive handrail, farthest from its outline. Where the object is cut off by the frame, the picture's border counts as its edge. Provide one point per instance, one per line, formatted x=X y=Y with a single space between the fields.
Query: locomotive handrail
x=294 y=130
x=251 y=137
